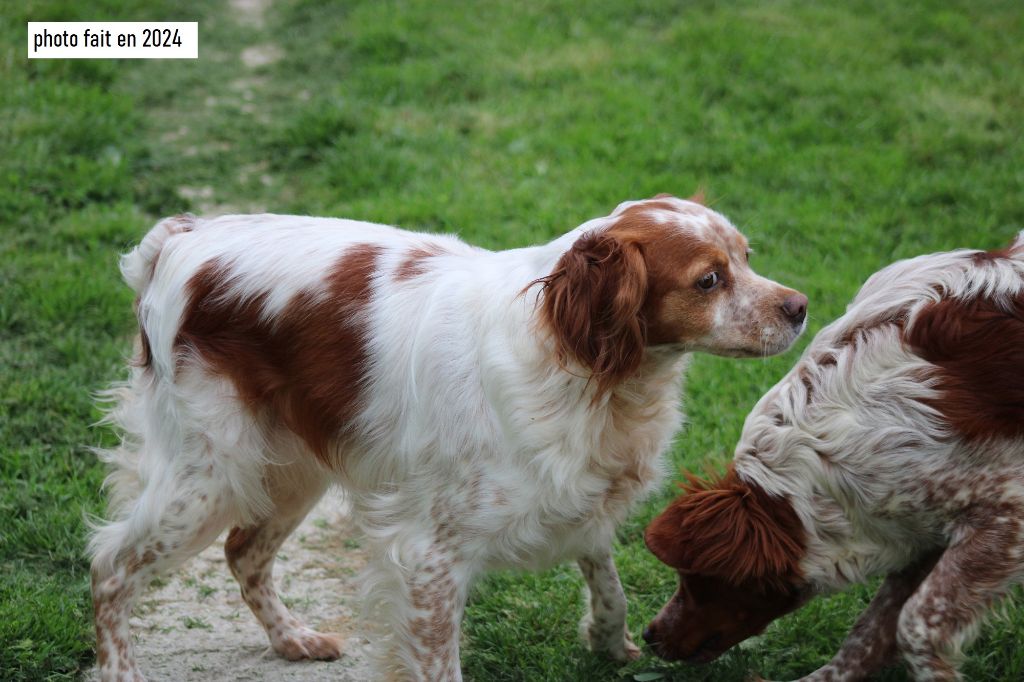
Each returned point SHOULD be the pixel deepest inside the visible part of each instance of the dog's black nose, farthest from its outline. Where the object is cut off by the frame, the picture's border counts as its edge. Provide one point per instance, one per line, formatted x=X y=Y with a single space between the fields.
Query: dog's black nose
x=647 y=635
x=795 y=307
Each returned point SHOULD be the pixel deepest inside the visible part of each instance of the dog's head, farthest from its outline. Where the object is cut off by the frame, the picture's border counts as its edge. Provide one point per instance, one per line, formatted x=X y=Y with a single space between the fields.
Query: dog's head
x=664 y=272
x=736 y=549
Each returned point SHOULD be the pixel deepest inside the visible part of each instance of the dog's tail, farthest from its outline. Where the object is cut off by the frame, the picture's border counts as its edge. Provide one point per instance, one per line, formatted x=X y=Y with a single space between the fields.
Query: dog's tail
x=131 y=408
x=138 y=265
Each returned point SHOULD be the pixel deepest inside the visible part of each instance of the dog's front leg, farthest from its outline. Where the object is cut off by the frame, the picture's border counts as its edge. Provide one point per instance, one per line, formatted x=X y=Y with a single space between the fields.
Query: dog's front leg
x=871 y=644
x=416 y=606
x=604 y=625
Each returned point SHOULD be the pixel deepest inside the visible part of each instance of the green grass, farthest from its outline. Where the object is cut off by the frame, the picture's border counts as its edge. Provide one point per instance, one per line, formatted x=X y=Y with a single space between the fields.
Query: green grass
x=838 y=135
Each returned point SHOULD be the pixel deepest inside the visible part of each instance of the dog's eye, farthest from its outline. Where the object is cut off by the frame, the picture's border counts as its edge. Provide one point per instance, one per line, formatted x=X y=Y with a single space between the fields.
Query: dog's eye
x=708 y=281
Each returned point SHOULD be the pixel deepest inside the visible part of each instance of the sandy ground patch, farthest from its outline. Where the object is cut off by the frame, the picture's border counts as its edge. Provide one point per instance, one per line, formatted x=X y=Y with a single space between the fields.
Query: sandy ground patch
x=196 y=626
x=261 y=55
x=250 y=12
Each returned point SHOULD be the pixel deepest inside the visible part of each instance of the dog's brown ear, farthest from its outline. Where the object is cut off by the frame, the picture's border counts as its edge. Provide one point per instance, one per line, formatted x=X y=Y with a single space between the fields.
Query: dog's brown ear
x=731 y=529
x=592 y=304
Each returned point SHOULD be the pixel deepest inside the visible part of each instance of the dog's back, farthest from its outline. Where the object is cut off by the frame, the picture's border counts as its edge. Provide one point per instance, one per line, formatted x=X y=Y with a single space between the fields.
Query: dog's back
x=895 y=446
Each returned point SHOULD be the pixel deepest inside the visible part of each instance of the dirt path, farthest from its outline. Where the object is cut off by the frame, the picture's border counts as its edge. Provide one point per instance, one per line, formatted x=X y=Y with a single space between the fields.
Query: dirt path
x=196 y=626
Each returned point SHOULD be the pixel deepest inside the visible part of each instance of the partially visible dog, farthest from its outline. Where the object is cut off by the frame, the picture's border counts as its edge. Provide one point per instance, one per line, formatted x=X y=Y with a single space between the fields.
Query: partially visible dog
x=479 y=408
x=895 y=446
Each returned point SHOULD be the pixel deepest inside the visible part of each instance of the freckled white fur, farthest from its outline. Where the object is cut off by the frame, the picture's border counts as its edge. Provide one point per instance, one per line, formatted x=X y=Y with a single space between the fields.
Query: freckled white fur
x=856 y=457
x=467 y=427
x=868 y=402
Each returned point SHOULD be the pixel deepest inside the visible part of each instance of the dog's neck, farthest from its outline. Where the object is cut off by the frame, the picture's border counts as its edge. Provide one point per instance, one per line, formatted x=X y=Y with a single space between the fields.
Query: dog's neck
x=846 y=544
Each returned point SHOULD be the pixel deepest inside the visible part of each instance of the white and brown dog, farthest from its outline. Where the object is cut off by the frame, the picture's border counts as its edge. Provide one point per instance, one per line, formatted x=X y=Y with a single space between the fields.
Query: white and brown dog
x=894 y=447
x=479 y=409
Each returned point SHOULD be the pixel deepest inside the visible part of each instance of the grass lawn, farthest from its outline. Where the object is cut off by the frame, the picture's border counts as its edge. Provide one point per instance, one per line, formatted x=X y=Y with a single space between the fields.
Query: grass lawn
x=838 y=135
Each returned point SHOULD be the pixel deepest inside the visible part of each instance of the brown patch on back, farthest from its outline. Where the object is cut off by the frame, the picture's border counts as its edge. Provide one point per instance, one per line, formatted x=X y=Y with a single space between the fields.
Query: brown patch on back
x=732 y=529
x=985 y=257
x=414 y=264
x=978 y=348
x=306 y=367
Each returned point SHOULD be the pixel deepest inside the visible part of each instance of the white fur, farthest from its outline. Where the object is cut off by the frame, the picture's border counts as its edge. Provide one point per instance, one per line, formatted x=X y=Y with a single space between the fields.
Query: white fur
x=869 y=402
x=875 y=474
x=468 y=426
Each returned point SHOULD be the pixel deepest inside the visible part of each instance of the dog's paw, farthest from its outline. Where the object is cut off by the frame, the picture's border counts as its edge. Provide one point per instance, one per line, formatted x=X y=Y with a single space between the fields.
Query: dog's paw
x=308 y=644
x=614 y=642
x=627 y=652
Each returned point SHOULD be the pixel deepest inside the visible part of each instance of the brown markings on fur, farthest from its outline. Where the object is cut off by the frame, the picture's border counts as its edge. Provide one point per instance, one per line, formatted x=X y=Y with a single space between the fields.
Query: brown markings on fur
x=977 y=347
x=827 y=359
x=500 y=498
x=619 y=290
x=871 y=644
x=138 y=562
x=978 y=567
x=805 y=378
x=709 y=614
x=674 y=310
x=737 y=550
x=414 y=264
x=640 y=209
x=183 y=222
x=109 y=597
x=986 y=257
x=697 y=197
x=436 y=631
x=853 y=335
x=238 y=541
x=731 y=528
x=592 y=304
x=305 y=367
x=143 y=351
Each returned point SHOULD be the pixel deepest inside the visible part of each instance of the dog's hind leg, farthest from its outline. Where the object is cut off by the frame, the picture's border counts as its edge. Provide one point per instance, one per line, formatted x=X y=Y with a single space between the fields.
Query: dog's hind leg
x=180 y=510
x=250 y=551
